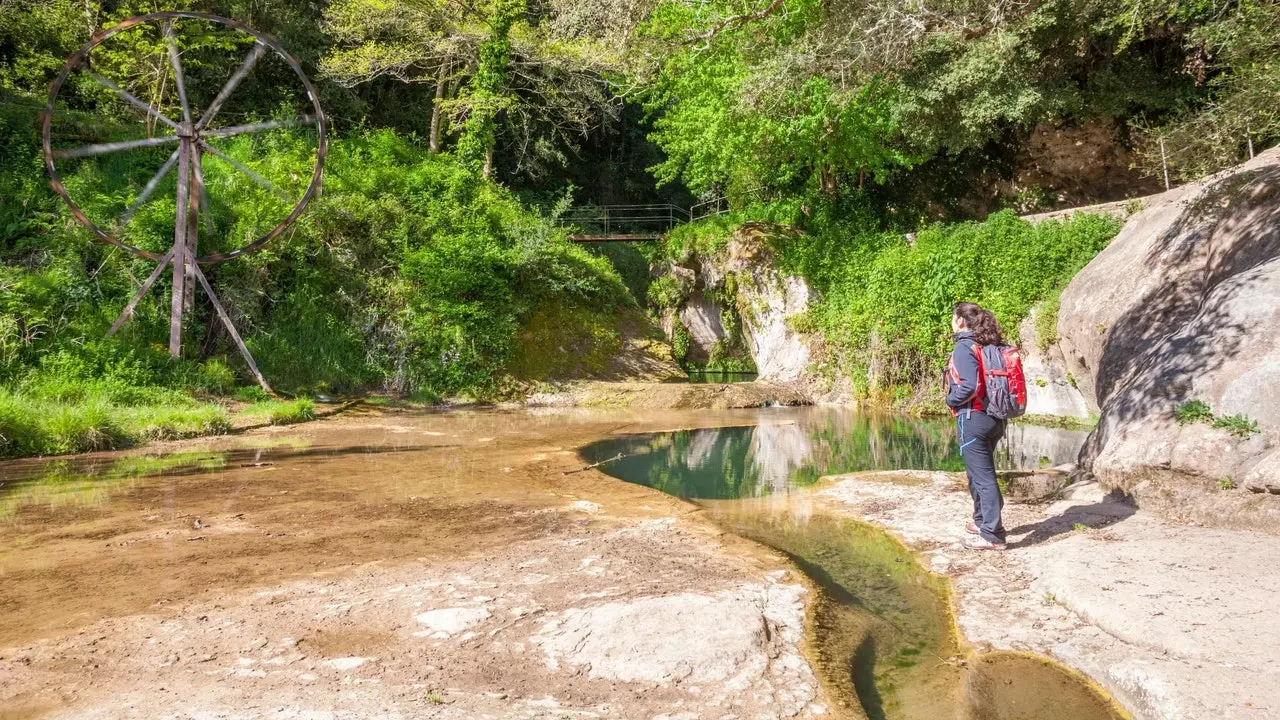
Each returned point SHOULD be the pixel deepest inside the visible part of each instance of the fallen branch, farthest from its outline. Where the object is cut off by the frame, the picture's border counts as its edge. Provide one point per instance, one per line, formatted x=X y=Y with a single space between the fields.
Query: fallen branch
x=593 y=466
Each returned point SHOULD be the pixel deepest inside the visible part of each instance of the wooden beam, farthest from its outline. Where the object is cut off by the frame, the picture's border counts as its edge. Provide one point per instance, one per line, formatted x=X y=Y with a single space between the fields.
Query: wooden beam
x=180 y=249
x=133 y=304
x=231 y=329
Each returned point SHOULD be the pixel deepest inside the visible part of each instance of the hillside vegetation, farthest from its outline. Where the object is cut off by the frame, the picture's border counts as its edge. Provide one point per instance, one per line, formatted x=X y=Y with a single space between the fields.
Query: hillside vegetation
x=434 y=264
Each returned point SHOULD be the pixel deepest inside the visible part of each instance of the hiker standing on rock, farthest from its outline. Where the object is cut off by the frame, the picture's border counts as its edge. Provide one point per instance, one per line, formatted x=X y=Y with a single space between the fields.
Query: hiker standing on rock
x=976 y=329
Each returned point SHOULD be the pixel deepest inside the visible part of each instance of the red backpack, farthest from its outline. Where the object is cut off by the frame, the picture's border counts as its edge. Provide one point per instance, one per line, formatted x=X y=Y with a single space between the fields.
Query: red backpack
x=1006 y=384
x=1002 y=384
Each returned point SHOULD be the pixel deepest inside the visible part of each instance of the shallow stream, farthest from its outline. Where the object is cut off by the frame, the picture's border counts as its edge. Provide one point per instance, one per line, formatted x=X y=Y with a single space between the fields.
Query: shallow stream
x=884 y=637
x=89 y=538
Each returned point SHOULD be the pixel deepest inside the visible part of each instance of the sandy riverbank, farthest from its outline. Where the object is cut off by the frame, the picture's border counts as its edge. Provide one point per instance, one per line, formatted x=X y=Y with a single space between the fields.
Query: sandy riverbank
x=391 y=565
x=1176 y=621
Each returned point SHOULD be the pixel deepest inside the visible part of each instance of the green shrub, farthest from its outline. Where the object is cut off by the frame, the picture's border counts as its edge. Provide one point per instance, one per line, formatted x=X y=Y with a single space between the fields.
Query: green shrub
x=215 y=377
x=1238 y=425
x=888 y=297
x=282 y=412
x=1047 y=319
x=665 y=293
x=1193 y=411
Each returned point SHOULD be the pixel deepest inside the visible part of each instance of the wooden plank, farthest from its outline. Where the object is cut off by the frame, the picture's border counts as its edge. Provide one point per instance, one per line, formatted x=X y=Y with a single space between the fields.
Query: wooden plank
x=133 y=304
x=231 y=329
x=193 y=231
x=180 y=249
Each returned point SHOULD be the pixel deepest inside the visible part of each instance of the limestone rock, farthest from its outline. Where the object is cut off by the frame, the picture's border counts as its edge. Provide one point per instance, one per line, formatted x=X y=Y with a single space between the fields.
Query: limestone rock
x=635 y=641
x=451 y=621
x=1184 y=304
x=701 y=318
x=768 y=302
x=1049 y=386
x=739 y=636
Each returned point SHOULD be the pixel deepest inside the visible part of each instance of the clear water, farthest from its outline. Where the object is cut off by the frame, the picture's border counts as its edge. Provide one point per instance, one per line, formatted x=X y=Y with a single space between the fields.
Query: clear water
x=884 y=640
x=791 y=448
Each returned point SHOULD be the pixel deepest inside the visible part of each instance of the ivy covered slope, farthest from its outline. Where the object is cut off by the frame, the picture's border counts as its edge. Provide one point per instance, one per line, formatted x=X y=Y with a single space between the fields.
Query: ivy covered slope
x=412 y=274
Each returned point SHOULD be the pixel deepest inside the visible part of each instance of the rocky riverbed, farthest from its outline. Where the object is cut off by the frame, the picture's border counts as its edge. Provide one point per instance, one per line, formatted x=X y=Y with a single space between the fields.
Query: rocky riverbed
x=1177 y=621
x=469 y=565
x=388 y=565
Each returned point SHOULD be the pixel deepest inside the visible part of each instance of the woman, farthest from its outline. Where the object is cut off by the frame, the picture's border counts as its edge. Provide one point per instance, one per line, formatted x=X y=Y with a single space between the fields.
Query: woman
x=979 y=432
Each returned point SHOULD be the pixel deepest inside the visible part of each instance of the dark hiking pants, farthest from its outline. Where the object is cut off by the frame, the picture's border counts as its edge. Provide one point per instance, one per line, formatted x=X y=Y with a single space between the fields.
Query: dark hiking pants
x=979 y=434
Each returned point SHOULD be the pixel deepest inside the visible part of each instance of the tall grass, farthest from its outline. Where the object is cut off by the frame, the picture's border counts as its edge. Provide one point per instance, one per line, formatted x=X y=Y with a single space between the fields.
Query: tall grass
x=33 y=425
x=281 y=412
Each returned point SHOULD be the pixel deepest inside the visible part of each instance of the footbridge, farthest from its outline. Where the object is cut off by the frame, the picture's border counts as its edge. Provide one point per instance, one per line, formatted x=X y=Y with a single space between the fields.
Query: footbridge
x=634 y=223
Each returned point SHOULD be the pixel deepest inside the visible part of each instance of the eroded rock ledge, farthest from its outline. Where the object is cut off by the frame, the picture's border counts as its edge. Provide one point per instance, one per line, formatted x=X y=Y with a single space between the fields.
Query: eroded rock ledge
x=1176 y=622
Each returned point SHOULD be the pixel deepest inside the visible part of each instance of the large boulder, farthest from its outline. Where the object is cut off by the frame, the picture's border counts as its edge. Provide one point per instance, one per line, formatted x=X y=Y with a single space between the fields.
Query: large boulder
x=1185 y=305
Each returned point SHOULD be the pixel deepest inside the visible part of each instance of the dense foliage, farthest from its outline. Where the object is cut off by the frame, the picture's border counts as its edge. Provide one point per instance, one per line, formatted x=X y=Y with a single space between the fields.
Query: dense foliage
x=434 y=262
x=809 y=96
x=884 y=299
x=887 y=300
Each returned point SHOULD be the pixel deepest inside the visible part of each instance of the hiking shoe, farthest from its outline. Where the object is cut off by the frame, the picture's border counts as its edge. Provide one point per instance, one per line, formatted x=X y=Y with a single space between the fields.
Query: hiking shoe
x=977 y=542
x=971 y=528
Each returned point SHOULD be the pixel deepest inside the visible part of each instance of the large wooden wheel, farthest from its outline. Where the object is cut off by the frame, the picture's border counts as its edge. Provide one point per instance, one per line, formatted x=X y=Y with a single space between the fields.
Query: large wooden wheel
x=194 y=127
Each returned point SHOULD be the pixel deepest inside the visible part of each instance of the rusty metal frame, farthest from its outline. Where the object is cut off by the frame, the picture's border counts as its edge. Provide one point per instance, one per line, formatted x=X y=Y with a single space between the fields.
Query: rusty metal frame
x=77 y=59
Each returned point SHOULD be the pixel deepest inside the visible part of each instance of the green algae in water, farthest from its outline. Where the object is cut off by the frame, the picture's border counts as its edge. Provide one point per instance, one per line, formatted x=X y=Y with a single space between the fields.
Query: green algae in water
x=884 y=640
x=885 y=643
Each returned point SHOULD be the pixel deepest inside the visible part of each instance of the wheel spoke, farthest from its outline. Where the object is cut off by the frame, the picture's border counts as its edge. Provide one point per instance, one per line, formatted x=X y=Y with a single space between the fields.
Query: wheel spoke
x=265 y=183
x=103 y=148
x=178 y=79
x=133 y=100
x=236 y=77
x=148 y=190
x=259 y=127
x=205 y=204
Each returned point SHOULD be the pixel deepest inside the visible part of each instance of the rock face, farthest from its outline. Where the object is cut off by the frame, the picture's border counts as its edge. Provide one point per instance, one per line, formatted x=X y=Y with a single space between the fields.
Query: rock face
x=767 y=302
x=744 y=639
x=1049 y=386
x=750 y=288
x=1185 y=304
x=701 y=318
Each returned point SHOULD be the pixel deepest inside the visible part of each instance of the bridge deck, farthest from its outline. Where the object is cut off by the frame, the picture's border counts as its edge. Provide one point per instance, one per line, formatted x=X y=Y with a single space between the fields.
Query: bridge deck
x=616 y=237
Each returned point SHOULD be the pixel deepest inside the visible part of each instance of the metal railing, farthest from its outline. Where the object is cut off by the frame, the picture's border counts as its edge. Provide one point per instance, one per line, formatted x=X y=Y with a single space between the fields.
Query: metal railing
x=600 y=222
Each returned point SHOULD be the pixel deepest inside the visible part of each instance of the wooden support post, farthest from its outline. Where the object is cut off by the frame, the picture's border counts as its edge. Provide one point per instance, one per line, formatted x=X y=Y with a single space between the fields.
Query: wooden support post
x=1164 y=163
x=1248 y=134
x=180 y=248
x=231 y=329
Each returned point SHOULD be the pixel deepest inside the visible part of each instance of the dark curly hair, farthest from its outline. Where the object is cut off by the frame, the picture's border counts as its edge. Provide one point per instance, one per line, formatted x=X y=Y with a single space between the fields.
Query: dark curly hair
x=983 y=325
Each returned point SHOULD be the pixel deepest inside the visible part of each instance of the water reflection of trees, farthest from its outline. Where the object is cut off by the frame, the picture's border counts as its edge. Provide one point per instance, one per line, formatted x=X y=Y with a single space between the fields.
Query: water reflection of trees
x=773 y=457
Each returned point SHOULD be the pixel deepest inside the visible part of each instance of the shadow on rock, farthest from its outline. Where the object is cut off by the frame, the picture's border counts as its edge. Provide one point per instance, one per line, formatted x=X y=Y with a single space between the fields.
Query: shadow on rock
x=1182 y=327
x=1095 y=517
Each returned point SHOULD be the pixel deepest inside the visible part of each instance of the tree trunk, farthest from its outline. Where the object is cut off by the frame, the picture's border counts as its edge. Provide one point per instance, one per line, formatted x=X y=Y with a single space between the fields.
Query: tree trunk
x=488 y=161
x=435 y=114
x=829 y=179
